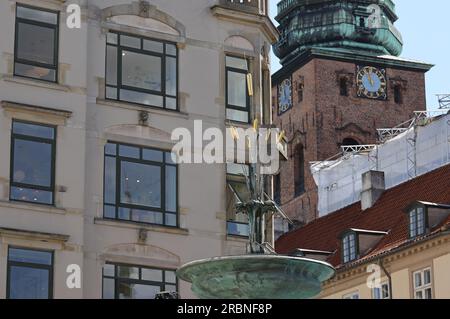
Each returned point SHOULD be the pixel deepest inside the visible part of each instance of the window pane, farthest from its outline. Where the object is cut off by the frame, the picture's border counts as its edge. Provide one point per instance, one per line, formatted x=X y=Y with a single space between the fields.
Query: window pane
x=28 y=283
x=108 y=270
x=171 y=189
x=236 y=63
x=153 y=46
x=152 y=274
x=110 y=180
x=128 y=272
x=141 y=71
x=148 y=217
x=32 y=163
x=36 y=43
x=111 y=149
x=111 y=93
x=31 y=195
x=137 y=291
x=428 y=294
x=238 y=116
x=427 y=277
x=30 y=256
x=171 y=220
x=171 y=76
x=171 y=103
x=112 y=38
x=169 y=159
x=376 y=293
x=419 y=295
x=108 y=288
x=237 y=89
x=418 y=280
x=111 y=65
x=152 y=155
x=171 y=277
x=124 y=213
x=109 y=211
x=129 y=151
x=140 y=184
x=37 y=15
x=141 y=98
x=171 y=49
x=131 y=42
x=33 y=130
x=238 y=229
x=34 y=72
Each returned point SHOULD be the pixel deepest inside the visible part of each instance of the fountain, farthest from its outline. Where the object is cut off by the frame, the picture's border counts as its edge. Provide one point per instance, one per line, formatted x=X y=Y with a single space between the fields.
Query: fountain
x=262 y=273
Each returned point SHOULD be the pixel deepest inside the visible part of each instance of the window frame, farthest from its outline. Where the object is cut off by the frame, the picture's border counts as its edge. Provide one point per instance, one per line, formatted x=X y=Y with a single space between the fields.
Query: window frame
x=416 y=219
x=423 y=287
x=53 y=143
x=118 y=279
x=164 y=55
x=50 y=269
x=384 y=284
x=54 y=27
x=248 y=101
x=232 y=178
x=117 y=205
x=343 y=237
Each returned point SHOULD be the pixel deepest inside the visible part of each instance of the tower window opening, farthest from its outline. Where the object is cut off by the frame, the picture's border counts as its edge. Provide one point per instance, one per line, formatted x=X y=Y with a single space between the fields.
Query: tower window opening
x=343 y=87
x=299 y=170
x=398 y=94
x=350 y=142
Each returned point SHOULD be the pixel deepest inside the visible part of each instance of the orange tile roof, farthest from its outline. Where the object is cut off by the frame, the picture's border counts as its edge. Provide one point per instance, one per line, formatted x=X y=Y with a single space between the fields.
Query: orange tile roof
x=386 y=215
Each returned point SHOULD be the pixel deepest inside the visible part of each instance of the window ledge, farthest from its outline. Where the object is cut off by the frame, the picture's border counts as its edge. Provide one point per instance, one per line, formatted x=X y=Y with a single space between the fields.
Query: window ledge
x=236 y=238
x=10 y=232
x=137 y=225
x=137 y=107
x=19 y=107
x=33 y=207
x=37 y=83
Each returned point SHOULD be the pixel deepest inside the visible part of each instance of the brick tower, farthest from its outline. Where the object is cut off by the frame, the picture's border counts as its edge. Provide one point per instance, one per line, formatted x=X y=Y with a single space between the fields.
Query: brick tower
x=341 y=80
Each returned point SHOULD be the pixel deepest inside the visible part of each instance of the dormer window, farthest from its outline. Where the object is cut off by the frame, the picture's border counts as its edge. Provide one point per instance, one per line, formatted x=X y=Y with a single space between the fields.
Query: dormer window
x=425 y=216
x=349 y=247
x=416 y=222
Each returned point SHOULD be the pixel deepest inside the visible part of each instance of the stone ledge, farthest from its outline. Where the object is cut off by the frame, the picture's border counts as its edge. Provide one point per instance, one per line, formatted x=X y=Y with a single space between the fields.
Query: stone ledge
x=36 y=83
x=137 y=226
x=20 y=233
x=33 y=207
x=13 y=106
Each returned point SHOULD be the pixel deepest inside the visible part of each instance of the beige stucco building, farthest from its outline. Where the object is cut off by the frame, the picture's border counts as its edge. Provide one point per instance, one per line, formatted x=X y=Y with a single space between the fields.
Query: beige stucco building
x=86 y=118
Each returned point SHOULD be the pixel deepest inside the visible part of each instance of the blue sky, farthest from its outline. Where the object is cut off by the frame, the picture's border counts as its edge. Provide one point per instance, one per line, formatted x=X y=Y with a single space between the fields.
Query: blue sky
x=426 y=36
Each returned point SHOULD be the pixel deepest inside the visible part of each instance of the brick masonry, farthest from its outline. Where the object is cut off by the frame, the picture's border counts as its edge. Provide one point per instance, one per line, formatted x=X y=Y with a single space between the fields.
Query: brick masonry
x=323 y=119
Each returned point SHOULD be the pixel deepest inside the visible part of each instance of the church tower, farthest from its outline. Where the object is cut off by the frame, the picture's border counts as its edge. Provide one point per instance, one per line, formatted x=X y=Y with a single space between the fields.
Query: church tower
x=342 y=78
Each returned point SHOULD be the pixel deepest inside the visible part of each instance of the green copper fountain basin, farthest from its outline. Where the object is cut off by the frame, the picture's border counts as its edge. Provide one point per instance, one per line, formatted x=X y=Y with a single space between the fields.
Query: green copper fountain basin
x=256 y=277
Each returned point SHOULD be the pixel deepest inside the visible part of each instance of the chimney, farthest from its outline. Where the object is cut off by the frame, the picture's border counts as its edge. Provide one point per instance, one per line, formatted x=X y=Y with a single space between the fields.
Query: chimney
x=373 y=186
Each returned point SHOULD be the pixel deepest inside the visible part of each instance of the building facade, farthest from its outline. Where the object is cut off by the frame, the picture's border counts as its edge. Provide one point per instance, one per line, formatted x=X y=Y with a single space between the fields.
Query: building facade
x=87 y=177
x=341 y=80
x=393 y=244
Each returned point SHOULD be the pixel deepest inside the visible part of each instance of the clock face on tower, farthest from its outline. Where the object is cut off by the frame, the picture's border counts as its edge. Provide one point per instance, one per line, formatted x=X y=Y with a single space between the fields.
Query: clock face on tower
x=371 y=83
x=284 y=96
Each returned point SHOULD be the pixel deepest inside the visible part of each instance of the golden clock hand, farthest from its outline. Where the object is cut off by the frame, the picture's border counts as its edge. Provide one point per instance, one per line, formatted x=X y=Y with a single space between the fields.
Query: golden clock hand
x=370 y=79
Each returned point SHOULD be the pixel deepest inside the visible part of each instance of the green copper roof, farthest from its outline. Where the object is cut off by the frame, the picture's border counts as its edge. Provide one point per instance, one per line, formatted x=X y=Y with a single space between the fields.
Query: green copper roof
x=359 y=25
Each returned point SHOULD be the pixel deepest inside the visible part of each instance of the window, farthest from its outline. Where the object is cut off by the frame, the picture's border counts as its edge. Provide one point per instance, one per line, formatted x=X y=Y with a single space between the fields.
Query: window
x=237 y=94
x=142 y=71
x=32 y=163
x=382 y=292
x=416 y=222
x=141 y=185
x=136 y=282
x=237 y=223
x=423 y=284
x=398 y=99
x=343 y=87
x=299 y=170
x=349 y=247
x=36 y=43
x=277 y=189
x=30 y=274
x=353 y=295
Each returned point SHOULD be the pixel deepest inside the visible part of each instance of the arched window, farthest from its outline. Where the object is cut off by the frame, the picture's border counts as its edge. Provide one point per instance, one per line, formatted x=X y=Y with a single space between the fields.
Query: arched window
x=299 y=170
x=398 y=94
x=350 y=142
x=343 y=87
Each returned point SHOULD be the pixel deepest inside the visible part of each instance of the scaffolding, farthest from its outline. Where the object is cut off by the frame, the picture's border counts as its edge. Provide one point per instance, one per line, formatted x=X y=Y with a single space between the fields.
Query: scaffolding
x=444 y=101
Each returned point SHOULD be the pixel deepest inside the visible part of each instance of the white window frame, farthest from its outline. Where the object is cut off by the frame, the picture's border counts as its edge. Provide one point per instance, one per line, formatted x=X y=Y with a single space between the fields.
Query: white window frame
x=422 y=288
x=381 y=290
